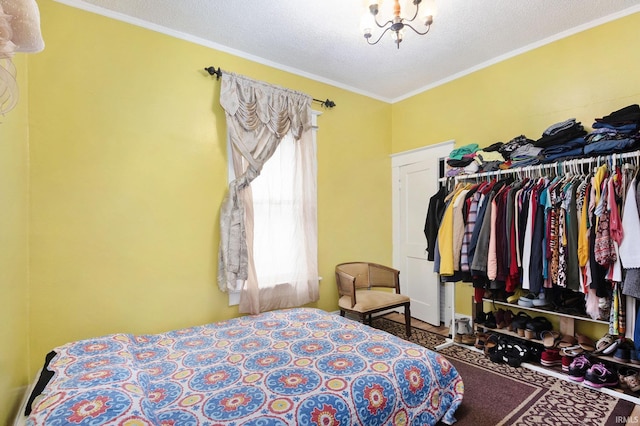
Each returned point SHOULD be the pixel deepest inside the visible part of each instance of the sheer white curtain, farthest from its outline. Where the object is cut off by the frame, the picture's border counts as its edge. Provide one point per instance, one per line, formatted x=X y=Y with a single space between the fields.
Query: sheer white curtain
x=258 y=117
x=284 y=229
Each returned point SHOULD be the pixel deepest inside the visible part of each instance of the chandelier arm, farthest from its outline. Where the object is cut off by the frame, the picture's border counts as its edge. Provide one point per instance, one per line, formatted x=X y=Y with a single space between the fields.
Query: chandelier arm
x=415 y=14
x=416 y=31
x=379 y=38
x=375 y=19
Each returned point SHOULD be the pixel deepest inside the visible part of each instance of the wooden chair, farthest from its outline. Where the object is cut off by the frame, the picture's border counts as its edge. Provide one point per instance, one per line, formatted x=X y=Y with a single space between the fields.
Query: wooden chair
x=358 y=284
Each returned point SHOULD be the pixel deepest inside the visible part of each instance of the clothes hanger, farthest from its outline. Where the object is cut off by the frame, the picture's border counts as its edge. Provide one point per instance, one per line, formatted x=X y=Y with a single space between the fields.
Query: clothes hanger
x=635 y=160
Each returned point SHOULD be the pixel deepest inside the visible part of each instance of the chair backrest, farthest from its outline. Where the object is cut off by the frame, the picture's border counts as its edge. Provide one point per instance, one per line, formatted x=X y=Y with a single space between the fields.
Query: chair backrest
x=367 y=275
x=383 y=276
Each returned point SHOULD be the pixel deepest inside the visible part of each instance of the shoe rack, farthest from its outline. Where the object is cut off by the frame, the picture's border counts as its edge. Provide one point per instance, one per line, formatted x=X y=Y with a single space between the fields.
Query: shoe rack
x=567 y=321
x=566 y=327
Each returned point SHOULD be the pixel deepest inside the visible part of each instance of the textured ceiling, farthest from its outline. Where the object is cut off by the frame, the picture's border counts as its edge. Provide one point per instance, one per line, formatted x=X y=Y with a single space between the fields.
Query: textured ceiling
x=322 y=40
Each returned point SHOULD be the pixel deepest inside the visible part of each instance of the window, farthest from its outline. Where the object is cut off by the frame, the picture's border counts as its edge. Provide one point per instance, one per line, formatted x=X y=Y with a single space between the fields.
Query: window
x=277 y=209
x=285 y=220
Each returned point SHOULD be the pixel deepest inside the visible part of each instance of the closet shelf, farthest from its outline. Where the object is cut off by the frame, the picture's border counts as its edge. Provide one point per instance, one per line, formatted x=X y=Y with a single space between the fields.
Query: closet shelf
x=558 y=166
x=506 y=332
x=546 y=311
x=567 y=322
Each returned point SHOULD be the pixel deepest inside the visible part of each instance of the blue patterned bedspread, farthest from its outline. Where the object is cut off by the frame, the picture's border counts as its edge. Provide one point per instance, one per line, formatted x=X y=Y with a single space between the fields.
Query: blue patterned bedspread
x=291 y=367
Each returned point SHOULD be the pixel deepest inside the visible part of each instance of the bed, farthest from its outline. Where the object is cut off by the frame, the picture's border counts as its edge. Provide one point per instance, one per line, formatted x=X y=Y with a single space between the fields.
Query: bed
x=300 y=366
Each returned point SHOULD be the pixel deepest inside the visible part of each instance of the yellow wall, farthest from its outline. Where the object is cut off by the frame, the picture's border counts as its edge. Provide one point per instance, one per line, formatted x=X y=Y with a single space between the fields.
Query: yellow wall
x=13 y=250
x=585 y=76
x=128 y=170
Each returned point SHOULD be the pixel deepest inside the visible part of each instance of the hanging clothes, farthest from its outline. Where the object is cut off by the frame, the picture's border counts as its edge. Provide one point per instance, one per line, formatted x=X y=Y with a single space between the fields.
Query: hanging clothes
x=432 y=222
x=446 y=233
x=571 y=232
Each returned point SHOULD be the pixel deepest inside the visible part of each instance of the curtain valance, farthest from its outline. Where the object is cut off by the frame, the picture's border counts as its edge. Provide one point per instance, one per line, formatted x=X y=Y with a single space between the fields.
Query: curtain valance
x=254 y=103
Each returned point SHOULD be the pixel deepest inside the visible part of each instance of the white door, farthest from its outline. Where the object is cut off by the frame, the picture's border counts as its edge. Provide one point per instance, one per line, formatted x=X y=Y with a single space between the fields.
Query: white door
x=416 y=176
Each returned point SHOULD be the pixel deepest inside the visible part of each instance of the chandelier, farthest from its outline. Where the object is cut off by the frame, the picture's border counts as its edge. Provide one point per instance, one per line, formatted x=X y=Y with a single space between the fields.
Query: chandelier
x=397 y=23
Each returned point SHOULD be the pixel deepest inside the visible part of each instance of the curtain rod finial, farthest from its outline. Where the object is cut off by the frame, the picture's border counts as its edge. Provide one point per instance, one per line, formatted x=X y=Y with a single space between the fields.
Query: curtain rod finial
x=213 y=71
x=327 y=104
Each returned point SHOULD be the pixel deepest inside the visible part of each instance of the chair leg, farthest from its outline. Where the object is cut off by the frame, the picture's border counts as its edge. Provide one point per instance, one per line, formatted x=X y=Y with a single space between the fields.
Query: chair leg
x=407 y=319
x=363 y=318
x=341 y=313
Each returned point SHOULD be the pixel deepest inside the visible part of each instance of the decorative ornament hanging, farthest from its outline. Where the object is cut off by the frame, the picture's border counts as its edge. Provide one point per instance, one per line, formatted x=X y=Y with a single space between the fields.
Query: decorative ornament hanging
x=8 y=83
x=19 y=32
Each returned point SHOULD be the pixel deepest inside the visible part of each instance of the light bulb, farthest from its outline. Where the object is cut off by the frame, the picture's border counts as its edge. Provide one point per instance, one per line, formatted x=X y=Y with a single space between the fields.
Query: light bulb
x=367 y=23
x=372 y=6
x=428 y=9
x=397 y=36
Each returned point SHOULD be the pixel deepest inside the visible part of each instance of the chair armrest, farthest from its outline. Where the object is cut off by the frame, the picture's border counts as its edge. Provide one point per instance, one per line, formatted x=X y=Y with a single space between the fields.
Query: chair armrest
x=346 y=286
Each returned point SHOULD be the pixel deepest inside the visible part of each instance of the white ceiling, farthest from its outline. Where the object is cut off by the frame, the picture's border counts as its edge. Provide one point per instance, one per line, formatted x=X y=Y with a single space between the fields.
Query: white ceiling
x=322 y=40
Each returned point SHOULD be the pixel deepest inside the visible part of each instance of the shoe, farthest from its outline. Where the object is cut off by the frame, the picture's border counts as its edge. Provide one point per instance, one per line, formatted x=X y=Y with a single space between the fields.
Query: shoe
x=535 y=352
x=566 y=363
x=567 y=341
x=468 y=339
x=481 y=338
x=526 y=301
x=550 y=357
x=515 y=353
x=456 y=328
x=629 y=379
x=578 y=368
x=622 y=354
x=513 y=299
x=572 y=351
x=491 y=320
x=508 y=320
x=463 y=326
x=519 y=322
x=605 y=342
x=539 y=300
x=481 y=317
x=572 y=303
x=633 y=356
x=491 y=344
x=612 y=347
x=499 y=315
x=537 y=325
x=550 y=338
x=599 y=376
x=586 y=343
x=497 y=352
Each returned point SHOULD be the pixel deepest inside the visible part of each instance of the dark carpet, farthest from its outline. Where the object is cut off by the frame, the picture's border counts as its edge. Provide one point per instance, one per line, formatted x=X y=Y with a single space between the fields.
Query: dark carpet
x=497 y=394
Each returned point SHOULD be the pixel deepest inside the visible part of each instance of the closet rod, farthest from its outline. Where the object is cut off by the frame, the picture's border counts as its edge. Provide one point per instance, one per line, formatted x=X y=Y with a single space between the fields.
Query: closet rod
x=602 y=159
x=218 y=73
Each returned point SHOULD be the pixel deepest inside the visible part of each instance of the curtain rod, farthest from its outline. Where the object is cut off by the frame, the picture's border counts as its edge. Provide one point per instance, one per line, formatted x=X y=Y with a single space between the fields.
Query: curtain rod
x=218 y=73
x=601 y=159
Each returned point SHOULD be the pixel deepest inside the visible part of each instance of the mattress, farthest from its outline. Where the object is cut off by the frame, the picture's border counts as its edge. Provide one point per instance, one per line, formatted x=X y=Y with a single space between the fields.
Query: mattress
x=296 y=366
